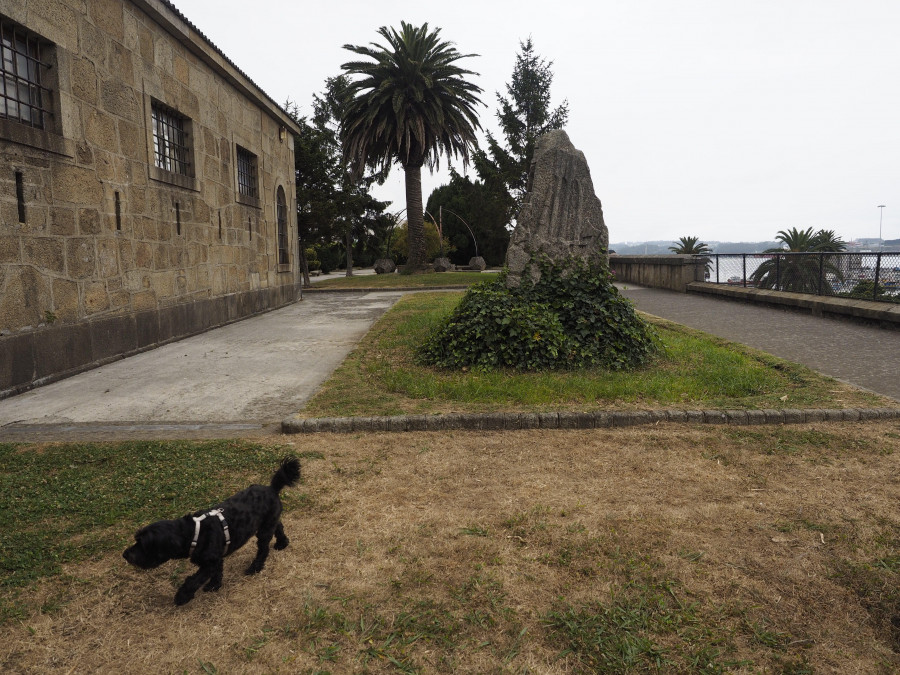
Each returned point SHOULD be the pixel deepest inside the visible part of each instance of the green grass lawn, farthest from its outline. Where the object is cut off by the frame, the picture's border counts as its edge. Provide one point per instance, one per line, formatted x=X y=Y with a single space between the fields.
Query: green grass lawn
x=693 y=370
x=432 y=280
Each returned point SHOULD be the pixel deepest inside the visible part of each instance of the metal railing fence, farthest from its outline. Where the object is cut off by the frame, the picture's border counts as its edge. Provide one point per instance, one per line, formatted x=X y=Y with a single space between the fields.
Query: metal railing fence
x=863 y=276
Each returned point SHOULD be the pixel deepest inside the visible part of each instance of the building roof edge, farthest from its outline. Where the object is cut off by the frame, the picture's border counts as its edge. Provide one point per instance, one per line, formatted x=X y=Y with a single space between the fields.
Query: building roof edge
x=169 y=17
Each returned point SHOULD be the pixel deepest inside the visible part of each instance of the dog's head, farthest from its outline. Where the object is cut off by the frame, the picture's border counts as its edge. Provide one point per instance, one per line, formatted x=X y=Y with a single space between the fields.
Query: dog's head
x=156 y=544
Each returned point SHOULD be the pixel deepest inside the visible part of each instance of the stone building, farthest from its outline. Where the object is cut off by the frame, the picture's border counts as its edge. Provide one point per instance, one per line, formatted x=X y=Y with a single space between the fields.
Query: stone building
x=146 y=186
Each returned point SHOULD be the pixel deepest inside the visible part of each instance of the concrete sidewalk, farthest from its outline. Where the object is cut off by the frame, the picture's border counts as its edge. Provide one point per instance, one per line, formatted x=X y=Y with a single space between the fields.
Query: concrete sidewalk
x=862 y=355
x=238 y=379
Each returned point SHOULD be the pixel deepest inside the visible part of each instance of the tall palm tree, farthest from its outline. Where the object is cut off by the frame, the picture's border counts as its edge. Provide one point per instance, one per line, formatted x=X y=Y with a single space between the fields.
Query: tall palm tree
x=690 y=246
x=797 y=272
x=410 y=103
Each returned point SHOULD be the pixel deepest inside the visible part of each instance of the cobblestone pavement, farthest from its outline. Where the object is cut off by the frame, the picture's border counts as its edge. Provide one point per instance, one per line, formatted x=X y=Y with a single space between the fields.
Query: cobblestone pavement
x=862 y=355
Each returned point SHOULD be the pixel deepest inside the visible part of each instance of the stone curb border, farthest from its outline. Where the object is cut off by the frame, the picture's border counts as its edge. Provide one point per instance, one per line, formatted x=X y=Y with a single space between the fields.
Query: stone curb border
x=391 y=289
x=578 y=420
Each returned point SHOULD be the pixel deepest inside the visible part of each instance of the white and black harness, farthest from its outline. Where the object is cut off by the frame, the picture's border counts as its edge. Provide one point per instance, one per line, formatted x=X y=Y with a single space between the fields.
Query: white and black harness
x=199 y=519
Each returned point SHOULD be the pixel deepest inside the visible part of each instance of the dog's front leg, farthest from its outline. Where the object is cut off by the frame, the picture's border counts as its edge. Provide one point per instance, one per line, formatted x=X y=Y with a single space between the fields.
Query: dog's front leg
x=189 y=588
x=215 y=582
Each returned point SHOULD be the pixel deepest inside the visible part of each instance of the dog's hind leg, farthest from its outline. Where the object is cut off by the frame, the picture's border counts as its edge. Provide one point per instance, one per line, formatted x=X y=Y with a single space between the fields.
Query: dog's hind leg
x=281 y=540
x=263 y=537
x=215 y=582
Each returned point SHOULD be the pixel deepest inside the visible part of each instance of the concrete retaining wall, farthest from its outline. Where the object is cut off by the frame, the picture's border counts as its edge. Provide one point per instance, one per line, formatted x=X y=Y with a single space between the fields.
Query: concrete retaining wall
x=672 y=272
x=53 y=353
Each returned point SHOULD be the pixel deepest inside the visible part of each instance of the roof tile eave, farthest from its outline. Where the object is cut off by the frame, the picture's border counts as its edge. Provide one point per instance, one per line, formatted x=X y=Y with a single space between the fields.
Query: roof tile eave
x=187 y=22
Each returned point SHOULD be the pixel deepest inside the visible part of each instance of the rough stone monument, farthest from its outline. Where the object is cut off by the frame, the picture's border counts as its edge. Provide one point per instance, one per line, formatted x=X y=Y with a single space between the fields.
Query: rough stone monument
x=561 y=217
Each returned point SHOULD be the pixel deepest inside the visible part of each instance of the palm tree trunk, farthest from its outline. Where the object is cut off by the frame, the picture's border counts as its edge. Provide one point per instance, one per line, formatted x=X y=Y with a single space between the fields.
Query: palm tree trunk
x=415 y=218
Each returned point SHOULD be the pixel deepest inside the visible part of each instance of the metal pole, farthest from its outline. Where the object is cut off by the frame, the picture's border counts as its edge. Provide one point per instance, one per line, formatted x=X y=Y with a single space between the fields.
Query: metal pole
x=880 y=214
x=821 y=271
x=744 y=264
x=474 y=241
x=877 y=274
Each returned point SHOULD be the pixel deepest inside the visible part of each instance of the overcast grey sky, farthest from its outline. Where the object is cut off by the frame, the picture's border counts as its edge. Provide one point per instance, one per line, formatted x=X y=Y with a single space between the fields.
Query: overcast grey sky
x=723 y=119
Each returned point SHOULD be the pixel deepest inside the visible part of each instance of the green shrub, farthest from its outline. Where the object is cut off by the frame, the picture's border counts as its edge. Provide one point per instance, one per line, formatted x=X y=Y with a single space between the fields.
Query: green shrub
x=573 y=317
x=312 y=262
x=492 y=327
x=869 y=290
x=400 y=244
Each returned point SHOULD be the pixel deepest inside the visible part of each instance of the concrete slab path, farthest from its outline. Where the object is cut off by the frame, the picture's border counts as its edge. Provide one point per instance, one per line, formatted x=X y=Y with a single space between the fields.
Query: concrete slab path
x=228 y=381
x=863 y=355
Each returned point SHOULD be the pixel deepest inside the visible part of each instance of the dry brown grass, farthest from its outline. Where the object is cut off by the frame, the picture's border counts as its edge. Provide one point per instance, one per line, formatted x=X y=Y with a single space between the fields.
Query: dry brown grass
x=446 y=552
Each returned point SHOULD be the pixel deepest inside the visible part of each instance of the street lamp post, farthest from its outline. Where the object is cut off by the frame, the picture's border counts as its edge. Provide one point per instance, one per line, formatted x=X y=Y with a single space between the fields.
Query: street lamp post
x=880 y=214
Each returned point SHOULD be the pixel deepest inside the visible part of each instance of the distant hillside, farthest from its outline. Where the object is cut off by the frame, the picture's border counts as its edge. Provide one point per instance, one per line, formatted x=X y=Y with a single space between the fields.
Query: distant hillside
x=662 y=247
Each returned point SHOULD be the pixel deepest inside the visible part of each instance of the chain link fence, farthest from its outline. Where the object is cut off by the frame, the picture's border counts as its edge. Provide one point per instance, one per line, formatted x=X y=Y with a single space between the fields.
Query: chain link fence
x=863 y=276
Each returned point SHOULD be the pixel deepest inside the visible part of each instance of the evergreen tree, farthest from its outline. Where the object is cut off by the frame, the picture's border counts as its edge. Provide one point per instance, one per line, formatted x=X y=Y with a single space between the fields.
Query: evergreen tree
x=473 y=220
x=332 y=204
x=314 y=178
x=524 y=116
x=356 y=212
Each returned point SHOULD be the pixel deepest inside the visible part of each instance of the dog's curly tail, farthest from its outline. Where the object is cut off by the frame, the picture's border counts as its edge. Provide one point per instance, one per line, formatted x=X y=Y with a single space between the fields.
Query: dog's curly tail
x=288 y=474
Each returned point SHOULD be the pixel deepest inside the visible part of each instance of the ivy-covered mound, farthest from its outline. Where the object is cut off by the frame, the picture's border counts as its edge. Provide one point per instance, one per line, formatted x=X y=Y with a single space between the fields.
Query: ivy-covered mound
x=573 y=317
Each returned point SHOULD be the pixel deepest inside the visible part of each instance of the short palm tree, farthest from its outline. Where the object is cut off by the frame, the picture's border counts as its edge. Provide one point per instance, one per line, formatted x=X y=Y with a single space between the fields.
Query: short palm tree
x=410 y=103
x=800 y=273
x=829 y=242
x=690 y=246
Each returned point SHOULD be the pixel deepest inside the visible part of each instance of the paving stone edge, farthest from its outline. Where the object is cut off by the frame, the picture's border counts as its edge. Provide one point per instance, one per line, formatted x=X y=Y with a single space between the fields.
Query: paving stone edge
x=578 y=420
x=388 y=289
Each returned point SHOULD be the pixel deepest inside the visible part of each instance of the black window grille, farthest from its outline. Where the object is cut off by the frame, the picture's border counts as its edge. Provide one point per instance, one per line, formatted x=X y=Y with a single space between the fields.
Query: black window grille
x=170 y=140
x=246 y=173
x=281 y=217
x=23 y=97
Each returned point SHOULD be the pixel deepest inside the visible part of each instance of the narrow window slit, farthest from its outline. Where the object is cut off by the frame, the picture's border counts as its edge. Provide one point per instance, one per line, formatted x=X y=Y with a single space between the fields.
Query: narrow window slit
x=177 y=218
x=20 y=195
x=220 y=225
x=118 y=212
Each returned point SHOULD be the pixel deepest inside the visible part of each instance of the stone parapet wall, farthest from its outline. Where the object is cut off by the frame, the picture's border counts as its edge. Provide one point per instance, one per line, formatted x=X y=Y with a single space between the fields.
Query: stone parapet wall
x=90 y=228
x=885 y=314
x=672 y=272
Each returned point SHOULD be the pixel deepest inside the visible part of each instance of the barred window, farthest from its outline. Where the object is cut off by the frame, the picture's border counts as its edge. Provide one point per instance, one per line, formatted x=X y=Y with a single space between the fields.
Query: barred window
x=246 y=174
x=281 y=217
x=23 y=97
x=171 y=151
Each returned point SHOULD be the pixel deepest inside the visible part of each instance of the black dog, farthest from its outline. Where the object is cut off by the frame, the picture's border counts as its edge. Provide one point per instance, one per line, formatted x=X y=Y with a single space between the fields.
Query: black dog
x=206 y=537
